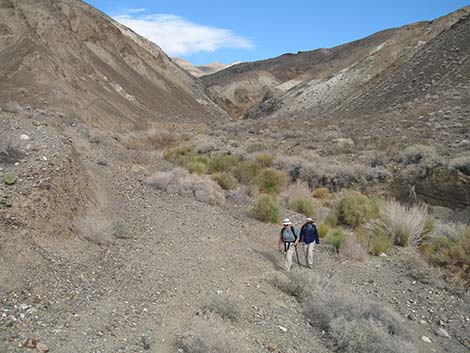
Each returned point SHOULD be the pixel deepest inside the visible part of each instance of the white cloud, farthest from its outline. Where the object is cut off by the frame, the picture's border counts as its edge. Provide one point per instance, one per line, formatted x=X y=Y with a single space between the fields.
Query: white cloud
x=177 y=36
x=139 y=10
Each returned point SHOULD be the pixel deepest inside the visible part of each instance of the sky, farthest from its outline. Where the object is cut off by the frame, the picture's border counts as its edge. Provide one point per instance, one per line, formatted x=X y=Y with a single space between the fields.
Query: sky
x=243 y=30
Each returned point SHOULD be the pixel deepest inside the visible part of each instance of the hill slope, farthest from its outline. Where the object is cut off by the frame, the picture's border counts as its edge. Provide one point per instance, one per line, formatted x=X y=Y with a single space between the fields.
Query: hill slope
x=67 y=53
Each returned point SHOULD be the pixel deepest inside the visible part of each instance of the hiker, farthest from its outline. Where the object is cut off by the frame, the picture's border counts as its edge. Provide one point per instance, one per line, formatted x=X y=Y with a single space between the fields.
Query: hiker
x=288 y=237
x=309 y=237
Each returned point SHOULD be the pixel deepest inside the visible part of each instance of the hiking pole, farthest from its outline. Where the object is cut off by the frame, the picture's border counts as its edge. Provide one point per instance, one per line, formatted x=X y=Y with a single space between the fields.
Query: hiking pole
x=297 y=253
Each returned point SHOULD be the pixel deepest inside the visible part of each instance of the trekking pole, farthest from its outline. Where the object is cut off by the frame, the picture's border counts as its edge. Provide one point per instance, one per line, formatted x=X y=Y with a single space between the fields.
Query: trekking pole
x=298 y=260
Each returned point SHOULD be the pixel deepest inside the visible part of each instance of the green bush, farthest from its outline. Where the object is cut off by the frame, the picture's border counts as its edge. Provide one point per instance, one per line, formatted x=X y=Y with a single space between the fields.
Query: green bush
x=355 y=208
x=271 y=181
x=222 y=163
x=9 y=179
x=323 y=229
x=196 y=167
x=246 y=172
x=225 y=180
x=303 y=205
x=380 y=243
x=332 y=219
x=322 y=193
x=336 y=238
x=266 y=208
x=264 y=160
x=176 y=154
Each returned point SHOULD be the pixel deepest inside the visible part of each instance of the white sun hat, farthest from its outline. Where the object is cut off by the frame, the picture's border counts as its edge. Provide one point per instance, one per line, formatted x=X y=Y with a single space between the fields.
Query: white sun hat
x=309 y=220
x=286 y=222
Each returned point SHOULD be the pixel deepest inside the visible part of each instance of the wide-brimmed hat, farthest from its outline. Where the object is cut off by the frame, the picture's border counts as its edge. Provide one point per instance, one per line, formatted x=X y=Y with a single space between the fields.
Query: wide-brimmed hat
x=286 y=222
x=309 y=220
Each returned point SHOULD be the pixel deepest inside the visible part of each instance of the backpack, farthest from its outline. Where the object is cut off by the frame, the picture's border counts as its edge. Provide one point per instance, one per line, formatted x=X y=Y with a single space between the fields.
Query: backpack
x=292 y=229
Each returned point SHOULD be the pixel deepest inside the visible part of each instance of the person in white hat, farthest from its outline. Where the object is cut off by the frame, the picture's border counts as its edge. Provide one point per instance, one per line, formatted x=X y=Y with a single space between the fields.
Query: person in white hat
x=309 y=237
x=288 y=237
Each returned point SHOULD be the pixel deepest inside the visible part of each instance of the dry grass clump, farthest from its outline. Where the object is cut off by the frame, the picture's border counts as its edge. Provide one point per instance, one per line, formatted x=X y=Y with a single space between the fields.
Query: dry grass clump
x=10 y=154
x=266 y=208
x=355 y=208
x=152 y=139
x=404 y=225
x=322 y=193
x=246 y=171
x=225 y=180
x=179 y=181
x=353 y=324
x=94 y=228
x=225 y=307
x=265 y=160
x=352 y=249
x=303 y=205
x=222 y=163
x=375 y=240
x=208 y=335
x=323 y=229
x=417 y=153
x=12 y=107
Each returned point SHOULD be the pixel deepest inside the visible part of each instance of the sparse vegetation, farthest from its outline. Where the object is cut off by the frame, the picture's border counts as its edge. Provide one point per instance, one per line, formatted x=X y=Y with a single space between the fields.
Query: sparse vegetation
x=222 y=163
x=322 y=193
x=323 y=229
x=225 y=180
x=462 y=164
x=10 y=154
x=9 y=178
x=375 y=240
x=225 y=307
x=336 y=238
x=12 y=107
x=266 y=208
x=152 y=139
x=417 y=153
x=271 y=181
x=303 y=205
x=179 y=181
x=355 y=208
x=264 y=160
x=246 y=171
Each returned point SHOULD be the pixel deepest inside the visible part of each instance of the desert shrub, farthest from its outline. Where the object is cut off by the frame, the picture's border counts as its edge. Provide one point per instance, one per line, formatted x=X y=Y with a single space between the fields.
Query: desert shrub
x=120 y=229
x=208 y=335
x=271 y=181
x=151 y=139
x=355 y=208
x=256 y=147
x=332 y=219
x=177 y=154
x=225 y=307
x=222 y=163
x=355 y=325
x=194 y=166
x=336 y=238
x=404 y=225
x=303 y=205
x=417 y=153
x=450 y=251
x=9 y=178
x=10 y=154
x=225 y=180
x=179 y=181
x=322 y=193
x=462 y=164
x=374 y=239
x=12 y=107
x=266 y=208
x=94 y=228
x=246 y=171
x=323 y=229
x=264 y=160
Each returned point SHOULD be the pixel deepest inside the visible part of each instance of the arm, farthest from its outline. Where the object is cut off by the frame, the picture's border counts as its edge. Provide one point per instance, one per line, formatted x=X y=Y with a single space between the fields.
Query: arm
x=279 y=244
x=297 y=238
x=317 y=237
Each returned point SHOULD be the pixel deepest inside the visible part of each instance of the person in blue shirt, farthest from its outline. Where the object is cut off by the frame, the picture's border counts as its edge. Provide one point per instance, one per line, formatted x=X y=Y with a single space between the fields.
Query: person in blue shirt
x=309 y=238
x=288 y=237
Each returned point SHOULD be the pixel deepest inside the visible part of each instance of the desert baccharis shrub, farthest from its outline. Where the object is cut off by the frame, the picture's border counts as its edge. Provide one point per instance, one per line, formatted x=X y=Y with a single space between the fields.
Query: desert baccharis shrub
x=336 y=238
x=322 y=193
x=355 y=209
x=225 y=180
x=416 y=154
x=303 y=205
x=196 y=167
x=404 y=225
x=266 y=208
x=265 y=160
x=222 y=163
x=323 y=229
x=374 y=239
x=271 y=181
x=151 y=139
x=225 y=307
x=177 y=154
x=246 y=171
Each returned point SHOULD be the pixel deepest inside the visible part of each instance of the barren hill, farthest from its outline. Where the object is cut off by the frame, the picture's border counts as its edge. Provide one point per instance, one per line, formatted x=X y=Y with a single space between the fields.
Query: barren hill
x=67 y=53
x=315 y=79
x=200 y=70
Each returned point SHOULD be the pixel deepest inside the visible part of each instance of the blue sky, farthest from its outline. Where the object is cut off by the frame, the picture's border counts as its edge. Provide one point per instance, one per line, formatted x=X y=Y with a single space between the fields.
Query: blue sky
x=243 y=30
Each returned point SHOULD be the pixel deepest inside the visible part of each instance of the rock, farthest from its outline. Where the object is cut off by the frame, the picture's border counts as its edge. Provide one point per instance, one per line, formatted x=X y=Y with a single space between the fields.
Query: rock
x=30 y=343
x=24 y=137
x=442 y=332
x=146 y=343
x=24 y=306
x=9 y=179
x=422 y=322
x=42 y=348
x=282 y=328
x=383 y=254
x=426 y=339
x=411 y=317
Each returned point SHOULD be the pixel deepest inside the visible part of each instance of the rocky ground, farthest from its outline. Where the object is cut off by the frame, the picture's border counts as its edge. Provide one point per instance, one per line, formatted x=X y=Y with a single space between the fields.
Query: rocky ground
x=93 y=259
